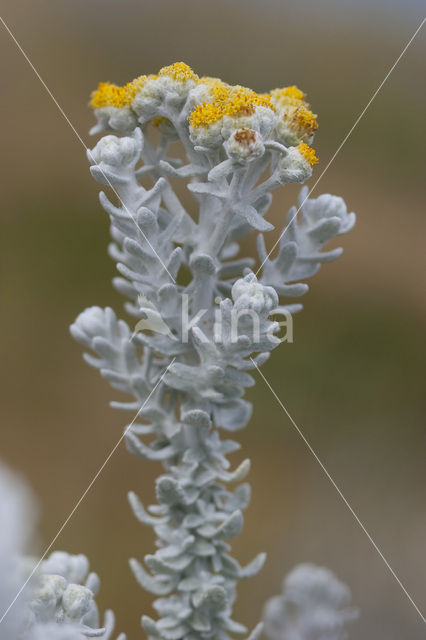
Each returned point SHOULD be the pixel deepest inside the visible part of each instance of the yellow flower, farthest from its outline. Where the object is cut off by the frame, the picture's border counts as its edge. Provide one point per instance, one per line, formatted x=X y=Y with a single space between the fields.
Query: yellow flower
x=308 y=153
x=297 y=123
x=132 y=88
x=205 y=114
x=227 y=101
x=302 y=121
x=108 y=95
x=287 y=95
x=179 y=71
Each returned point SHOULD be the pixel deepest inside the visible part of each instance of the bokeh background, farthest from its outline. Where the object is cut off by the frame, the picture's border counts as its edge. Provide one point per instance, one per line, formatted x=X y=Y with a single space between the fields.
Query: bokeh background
x=354 y=378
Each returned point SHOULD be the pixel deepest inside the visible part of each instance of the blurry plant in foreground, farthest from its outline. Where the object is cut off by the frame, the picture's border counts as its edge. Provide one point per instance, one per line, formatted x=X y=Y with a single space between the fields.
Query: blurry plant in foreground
x=57 y=602
x=314 y=605
x=186 y=383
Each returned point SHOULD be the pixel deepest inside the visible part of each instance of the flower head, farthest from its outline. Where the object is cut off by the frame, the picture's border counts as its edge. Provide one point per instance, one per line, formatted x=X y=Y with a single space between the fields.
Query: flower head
x=90 y=323
x=244 y=145
x=108 y=95
x=111 y=104
x=327 y=207
x=179 y=71
x=296 y=122
x=112 y=150
x=249 y=293
x=308 y=153
x=297 y=165
x=228 y=101
x=287 y=95
x=228 y=108
x=111 y=95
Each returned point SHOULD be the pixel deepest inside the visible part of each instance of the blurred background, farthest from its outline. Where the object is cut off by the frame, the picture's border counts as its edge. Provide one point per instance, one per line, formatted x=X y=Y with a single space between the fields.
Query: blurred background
x=353 y=379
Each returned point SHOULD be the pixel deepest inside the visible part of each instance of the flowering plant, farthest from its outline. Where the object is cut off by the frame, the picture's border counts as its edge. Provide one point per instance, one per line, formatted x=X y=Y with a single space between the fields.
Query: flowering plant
x=203 y=319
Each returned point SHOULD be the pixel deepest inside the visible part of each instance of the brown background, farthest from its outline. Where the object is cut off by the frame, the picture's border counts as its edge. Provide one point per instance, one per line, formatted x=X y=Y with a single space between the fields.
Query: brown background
x=353 y=379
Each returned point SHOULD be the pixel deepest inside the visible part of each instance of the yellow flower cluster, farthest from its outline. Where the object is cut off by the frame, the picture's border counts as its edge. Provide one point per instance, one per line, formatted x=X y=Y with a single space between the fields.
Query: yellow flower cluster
x=110 y=95
x=227 y=101
x=308 y=153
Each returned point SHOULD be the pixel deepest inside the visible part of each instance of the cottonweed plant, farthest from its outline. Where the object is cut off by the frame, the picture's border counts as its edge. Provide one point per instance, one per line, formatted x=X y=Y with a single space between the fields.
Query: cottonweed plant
x=203 y=318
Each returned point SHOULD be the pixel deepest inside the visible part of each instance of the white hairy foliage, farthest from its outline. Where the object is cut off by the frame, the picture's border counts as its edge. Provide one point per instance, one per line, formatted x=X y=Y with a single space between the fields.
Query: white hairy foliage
x=185 y=381
x=201 y=322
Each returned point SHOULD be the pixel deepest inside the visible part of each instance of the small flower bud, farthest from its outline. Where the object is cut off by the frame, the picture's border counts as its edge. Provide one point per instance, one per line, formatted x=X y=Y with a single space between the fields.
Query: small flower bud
x=244 y=145
x=296 y=166
x=249 y=293
x=90 y=323
x=327 y=206
x=48 y=596
x=76 y=601
x=114 y=151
